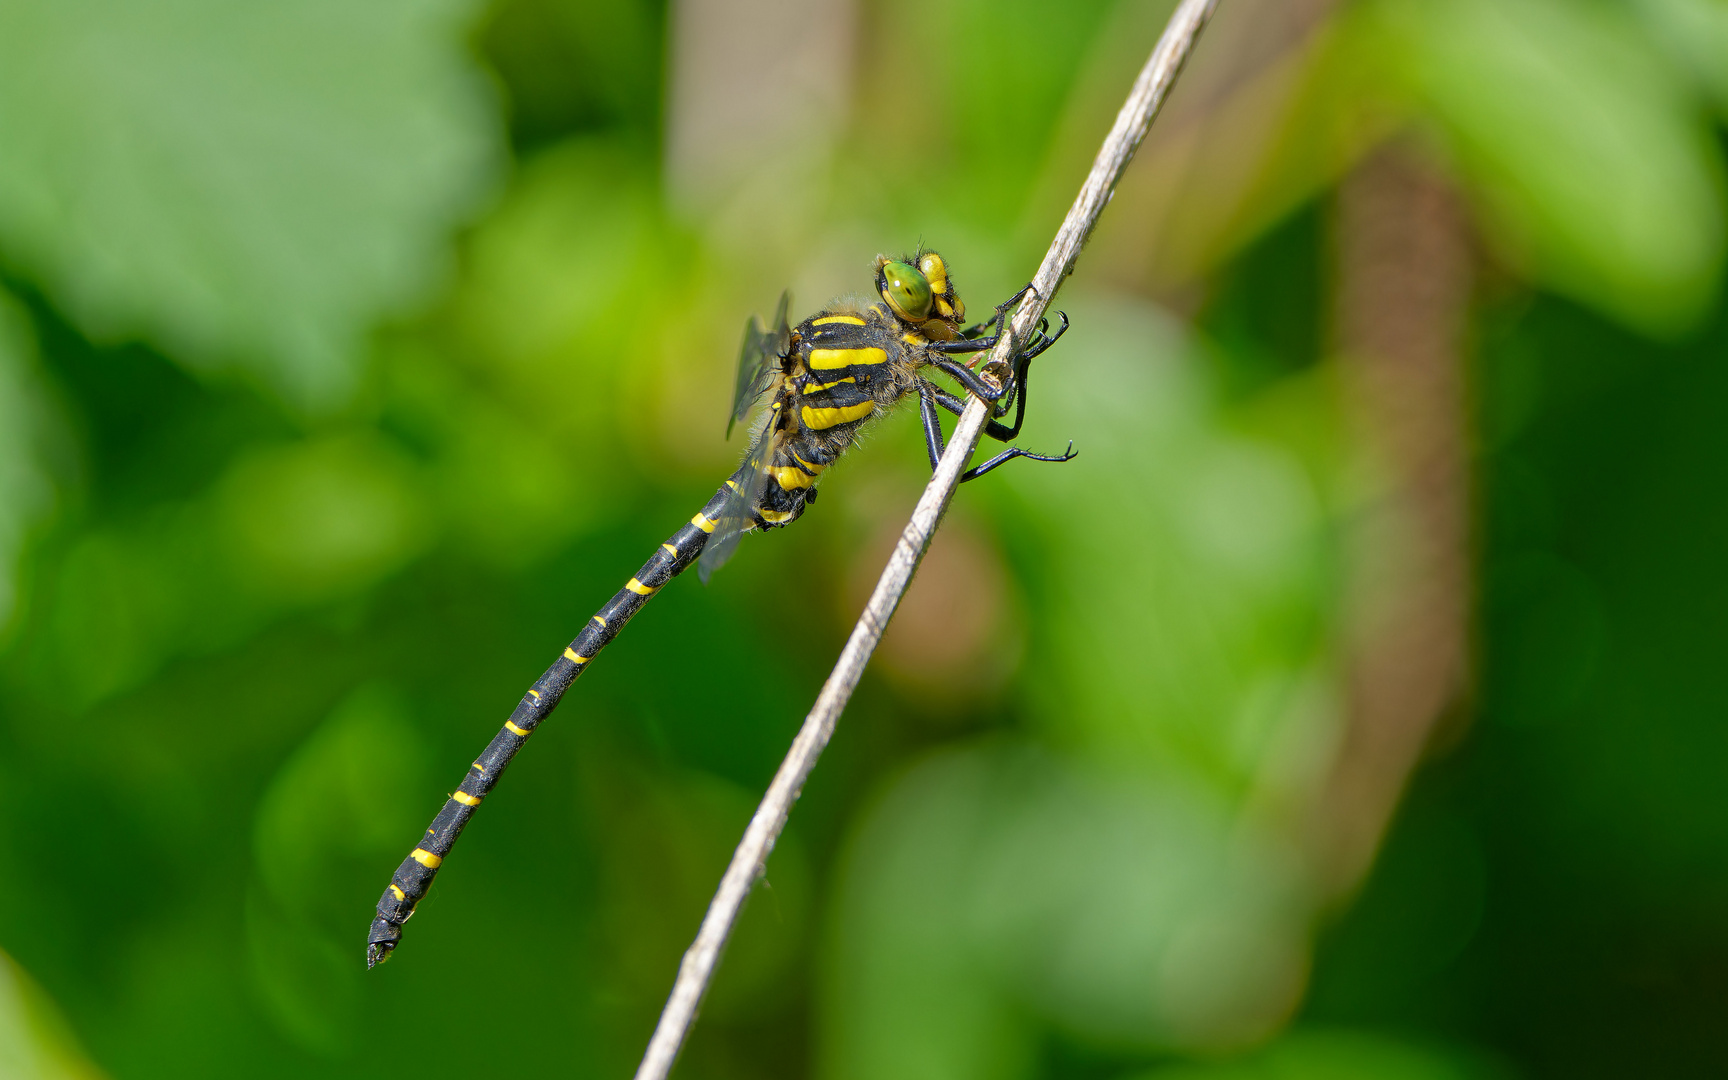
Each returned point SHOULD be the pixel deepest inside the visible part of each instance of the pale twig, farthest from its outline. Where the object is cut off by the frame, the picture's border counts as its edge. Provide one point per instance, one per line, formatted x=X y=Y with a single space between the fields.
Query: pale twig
x=697 y=970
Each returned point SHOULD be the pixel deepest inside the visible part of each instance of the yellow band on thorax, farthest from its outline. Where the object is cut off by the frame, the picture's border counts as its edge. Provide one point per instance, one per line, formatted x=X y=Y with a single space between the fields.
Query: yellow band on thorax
x=791 y=479
x=817 y=388
x=827 y=418
x=828 y=359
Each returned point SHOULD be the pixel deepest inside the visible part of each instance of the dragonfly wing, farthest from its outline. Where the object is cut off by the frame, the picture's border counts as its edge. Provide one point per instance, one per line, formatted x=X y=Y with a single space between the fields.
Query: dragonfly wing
x=759 y=359
x=738 y=515
x=782 y=331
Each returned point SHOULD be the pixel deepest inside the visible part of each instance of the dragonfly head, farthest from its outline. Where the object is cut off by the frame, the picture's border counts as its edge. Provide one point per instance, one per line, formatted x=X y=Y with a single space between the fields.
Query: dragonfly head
x=918 y=290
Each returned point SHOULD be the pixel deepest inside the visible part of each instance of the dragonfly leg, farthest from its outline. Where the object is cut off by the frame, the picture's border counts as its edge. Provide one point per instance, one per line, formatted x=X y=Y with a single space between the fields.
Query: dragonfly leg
x=928 y=397
x=972 y=332
x=970 y=339
x=931 y=396
x=1015 y=452
x=1043 y=340
x=965 y=345
x=1016 y=394
x=1023 y=379
x=968 y=378
x=957 y=405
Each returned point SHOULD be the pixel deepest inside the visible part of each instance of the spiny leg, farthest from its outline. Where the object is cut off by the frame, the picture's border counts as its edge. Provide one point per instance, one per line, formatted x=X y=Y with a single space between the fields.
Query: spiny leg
x=1023 y=372
x=934 y=443
x=971 y=343
x=978 y=344
x=957 y=405
x=1015 y=452
x=968 y=378
x=969 y=338
x=1043 y=340
x=1022 y=377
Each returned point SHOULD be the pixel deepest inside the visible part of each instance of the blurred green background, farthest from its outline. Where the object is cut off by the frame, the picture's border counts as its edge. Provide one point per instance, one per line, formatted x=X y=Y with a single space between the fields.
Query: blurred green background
x=1353 y=707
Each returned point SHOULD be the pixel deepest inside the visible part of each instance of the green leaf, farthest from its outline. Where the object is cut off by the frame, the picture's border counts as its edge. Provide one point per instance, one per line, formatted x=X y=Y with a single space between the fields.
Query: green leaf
x=1590 y=152
x=243 y=185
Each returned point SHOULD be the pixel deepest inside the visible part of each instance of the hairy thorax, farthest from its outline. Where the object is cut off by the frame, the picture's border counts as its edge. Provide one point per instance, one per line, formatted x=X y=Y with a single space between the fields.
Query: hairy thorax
x=848 y=363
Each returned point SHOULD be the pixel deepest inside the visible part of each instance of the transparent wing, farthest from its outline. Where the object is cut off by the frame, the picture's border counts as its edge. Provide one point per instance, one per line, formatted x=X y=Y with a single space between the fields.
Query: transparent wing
x=782 y=329
x=738 y=516
x=759 y=360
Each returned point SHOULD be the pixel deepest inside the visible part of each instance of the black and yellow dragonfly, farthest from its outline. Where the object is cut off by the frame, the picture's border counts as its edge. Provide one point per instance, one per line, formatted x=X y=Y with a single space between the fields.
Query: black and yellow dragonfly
x=826 y=378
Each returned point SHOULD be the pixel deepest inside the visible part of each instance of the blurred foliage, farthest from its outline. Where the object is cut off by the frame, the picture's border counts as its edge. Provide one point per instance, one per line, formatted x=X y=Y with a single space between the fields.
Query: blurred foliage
x=350 y=356
x=31 y=430
x=1341 y=1055
x=35 y=1040
x=1594 y=158
x=245 y=186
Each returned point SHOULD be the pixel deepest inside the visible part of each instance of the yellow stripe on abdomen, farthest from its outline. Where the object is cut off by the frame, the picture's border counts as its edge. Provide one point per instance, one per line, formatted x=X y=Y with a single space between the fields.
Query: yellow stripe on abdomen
x=824 y=359
x=827 y=418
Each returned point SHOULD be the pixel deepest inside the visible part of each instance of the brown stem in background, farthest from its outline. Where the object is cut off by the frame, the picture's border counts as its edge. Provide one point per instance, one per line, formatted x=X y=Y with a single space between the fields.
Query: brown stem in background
x=1404 y=274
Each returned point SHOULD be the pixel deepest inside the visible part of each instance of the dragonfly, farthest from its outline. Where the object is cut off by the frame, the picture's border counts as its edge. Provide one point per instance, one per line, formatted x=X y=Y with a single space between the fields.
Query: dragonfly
x=825 y=379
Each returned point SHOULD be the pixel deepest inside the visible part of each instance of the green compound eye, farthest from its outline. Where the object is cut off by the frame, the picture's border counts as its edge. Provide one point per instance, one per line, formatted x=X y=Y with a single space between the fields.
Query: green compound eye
x=906 y=290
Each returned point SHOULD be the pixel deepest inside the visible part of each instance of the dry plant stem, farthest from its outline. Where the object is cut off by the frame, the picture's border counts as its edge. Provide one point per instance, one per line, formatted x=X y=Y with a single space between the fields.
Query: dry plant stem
x=697 y=969
x=1404 y=281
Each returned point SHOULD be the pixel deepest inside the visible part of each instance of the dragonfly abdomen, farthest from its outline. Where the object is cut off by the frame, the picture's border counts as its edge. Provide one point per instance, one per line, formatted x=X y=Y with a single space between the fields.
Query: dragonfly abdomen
x=411 y=880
